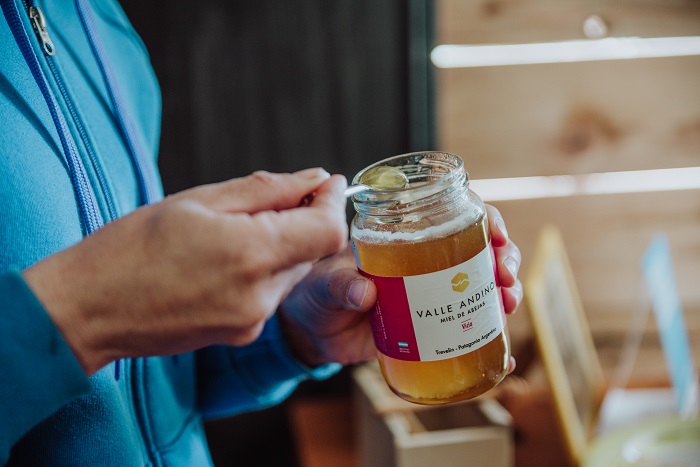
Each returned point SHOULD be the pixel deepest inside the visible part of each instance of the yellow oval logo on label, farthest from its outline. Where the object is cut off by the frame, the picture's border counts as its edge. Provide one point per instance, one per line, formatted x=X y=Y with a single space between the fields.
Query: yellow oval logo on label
x=460 y=282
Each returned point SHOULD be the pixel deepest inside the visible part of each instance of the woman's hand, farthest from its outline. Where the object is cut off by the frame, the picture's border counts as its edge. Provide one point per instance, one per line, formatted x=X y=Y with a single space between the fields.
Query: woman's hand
x=206 y=266
x=324 y=317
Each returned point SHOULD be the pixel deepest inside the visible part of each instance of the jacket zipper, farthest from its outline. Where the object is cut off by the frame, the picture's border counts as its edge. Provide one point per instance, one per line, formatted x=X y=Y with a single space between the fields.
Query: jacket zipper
x=90 y=217
x=38 y=21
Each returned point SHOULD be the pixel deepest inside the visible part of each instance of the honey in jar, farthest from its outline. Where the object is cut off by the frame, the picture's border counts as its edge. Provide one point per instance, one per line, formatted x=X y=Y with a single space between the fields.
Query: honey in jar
x=438 y=324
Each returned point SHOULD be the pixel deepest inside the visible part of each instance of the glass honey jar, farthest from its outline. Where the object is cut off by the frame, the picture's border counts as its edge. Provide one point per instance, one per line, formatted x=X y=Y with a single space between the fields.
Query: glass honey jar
x=421 y=235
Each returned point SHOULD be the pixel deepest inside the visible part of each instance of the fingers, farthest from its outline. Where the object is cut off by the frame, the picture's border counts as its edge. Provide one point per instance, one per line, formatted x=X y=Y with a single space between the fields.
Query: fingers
x=497 y=226
x=508 y=259
x=512 y=296
x=260 y=191
x=507 y=253
x=260 y=214
x=310 y=232
x=330 y=195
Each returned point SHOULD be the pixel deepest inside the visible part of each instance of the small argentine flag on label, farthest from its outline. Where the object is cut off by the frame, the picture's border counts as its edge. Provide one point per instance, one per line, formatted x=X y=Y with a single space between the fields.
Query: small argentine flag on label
x=403 y=345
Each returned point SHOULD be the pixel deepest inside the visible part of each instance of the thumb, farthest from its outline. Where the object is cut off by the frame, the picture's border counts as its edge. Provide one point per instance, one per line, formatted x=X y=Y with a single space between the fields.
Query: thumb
x=345 y=289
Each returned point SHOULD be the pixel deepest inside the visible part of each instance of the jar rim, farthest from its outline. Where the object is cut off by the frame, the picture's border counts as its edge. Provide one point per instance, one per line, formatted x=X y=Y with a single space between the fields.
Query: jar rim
x=428 y=172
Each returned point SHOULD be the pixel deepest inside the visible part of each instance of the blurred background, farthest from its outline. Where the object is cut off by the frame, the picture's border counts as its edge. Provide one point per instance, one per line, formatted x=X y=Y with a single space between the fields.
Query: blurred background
x=600 y=138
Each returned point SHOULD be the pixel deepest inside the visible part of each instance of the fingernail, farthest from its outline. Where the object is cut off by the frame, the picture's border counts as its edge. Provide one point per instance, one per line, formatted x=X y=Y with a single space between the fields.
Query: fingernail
x=512 y=265
x=517 y=293
x=342 y=185
x=357 y=292
x=501 y=226
x=315 y=173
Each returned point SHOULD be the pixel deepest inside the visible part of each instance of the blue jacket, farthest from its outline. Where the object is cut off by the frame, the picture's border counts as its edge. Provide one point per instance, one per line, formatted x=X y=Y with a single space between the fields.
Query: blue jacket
x=143 y=411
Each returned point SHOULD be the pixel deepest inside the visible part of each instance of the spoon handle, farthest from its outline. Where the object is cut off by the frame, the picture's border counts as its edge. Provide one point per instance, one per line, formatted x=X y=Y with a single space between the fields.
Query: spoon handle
x=355 y=189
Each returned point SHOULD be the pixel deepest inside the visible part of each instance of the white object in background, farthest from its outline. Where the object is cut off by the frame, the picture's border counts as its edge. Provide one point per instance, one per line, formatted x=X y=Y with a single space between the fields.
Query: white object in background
x=625 y=407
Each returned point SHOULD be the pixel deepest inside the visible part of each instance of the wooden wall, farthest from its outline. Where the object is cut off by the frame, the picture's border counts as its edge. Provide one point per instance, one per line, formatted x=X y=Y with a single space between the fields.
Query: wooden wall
x=579 y=118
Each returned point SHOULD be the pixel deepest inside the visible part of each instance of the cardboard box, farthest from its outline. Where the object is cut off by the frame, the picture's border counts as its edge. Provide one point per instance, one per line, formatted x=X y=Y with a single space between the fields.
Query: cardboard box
x=394 y=433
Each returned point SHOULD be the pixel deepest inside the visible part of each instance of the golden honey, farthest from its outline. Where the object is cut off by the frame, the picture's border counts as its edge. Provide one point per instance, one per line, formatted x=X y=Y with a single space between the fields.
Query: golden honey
x=436 y=234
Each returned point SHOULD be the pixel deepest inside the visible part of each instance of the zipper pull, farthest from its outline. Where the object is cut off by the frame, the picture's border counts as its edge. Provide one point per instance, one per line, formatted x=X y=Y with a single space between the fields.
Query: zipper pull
x=39 y=23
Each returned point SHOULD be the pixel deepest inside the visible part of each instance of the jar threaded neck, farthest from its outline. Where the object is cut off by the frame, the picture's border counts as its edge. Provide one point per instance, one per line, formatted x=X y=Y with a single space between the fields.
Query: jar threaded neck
x=435 y=179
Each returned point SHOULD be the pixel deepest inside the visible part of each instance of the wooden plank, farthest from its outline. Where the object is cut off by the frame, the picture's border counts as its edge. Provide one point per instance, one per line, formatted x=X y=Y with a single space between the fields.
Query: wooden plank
x=571 y=118
x=517 y=21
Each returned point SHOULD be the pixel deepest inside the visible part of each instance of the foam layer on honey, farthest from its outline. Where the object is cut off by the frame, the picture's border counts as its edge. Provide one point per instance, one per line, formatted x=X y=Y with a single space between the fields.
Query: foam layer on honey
x=387 y=235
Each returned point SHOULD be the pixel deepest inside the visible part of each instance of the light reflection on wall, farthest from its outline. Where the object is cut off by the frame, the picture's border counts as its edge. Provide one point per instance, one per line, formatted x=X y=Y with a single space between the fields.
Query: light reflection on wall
x=609 y=48
x=636 y=181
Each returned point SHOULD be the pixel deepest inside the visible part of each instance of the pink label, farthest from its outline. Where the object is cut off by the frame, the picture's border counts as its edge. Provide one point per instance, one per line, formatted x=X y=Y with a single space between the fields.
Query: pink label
x=391 y=319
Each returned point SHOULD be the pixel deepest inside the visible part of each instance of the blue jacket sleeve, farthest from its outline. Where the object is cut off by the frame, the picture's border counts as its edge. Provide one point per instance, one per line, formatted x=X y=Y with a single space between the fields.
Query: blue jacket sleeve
x=40 y=374
x=237 y=379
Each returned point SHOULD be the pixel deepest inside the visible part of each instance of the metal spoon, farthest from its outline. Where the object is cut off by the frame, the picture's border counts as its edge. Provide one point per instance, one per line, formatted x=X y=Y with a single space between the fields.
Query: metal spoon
x=379 y=178
x=355 y=189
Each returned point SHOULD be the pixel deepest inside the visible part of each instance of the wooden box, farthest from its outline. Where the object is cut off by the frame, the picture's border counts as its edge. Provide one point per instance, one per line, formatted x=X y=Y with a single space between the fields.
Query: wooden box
x=393 y=433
